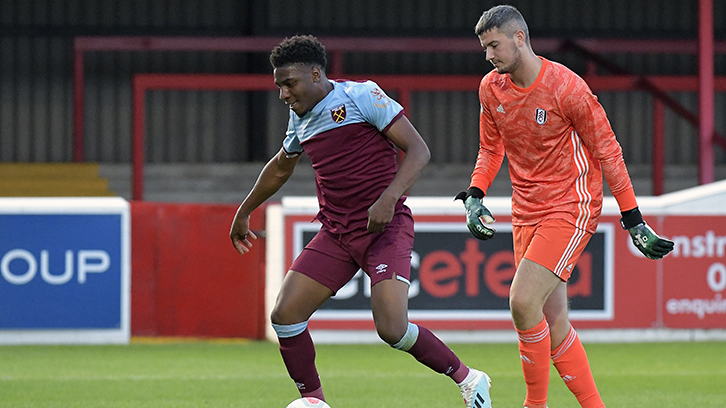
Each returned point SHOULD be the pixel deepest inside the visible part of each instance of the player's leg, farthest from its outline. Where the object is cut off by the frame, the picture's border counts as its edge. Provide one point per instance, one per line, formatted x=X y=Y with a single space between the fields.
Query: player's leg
x=532 y=285
x=299 y=297
x=388 y=263
x=553 y=246
x=389 y=303
x=568 y=354
x=319 y=271
x=556 y=312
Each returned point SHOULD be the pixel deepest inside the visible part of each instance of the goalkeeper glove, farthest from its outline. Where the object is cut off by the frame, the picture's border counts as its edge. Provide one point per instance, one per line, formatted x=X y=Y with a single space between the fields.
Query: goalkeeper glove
x=477 y=215
x=644 y=238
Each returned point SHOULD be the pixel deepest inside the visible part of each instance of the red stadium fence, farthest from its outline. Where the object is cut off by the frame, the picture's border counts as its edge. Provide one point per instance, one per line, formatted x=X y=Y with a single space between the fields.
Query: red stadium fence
x=187 y=279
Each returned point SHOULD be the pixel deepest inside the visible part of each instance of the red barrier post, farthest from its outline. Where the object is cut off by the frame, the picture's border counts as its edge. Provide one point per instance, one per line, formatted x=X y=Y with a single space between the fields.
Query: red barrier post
x=658 y=147
x=706 y=127
x=138 y=145
x=78 y=100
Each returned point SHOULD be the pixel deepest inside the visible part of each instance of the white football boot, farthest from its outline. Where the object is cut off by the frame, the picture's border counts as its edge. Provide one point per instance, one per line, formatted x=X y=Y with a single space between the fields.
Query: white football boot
x=475 y=389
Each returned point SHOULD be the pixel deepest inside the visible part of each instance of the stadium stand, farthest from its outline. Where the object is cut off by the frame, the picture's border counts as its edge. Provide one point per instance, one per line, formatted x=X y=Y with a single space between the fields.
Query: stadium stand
x=52 y=180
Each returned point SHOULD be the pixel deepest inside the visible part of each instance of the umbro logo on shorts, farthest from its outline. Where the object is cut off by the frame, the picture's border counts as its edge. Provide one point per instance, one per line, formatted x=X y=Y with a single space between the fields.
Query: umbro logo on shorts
x=381 y=268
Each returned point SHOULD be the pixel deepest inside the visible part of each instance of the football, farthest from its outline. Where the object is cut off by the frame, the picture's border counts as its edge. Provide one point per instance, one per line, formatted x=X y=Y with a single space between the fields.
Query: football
x=308 y=402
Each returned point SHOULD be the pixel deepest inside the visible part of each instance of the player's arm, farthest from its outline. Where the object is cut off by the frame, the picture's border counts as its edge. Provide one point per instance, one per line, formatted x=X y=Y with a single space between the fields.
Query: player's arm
x=488 y=161
x=275 y=173
x=590 y=121
x=416 y=157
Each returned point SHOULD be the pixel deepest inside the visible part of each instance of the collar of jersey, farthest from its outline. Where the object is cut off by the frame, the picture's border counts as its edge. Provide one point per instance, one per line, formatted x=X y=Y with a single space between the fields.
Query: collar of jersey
x=536 y=82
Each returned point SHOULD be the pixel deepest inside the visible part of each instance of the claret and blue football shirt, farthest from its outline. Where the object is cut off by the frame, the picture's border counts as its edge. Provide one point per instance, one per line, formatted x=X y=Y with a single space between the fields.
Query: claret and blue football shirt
x=353 y=160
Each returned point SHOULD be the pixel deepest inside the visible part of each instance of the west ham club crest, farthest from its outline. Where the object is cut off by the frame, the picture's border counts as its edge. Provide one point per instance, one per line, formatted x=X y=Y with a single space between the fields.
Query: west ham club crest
x=338 y=114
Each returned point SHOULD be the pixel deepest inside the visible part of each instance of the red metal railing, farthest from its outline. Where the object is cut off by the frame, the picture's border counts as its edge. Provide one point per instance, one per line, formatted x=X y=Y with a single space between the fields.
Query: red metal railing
x=405 y=84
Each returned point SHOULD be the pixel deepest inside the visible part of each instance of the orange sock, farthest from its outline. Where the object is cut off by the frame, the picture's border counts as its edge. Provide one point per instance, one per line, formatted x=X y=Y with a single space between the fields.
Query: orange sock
x=571 y=362
x=534 y=351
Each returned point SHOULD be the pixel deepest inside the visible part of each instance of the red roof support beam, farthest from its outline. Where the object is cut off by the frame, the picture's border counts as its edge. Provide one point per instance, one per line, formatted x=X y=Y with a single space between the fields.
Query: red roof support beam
x=337 y=46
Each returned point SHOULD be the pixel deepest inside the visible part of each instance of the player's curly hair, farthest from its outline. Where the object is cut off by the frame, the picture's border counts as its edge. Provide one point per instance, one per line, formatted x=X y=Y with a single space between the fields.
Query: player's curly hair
x=505 y=18
x=300 y=49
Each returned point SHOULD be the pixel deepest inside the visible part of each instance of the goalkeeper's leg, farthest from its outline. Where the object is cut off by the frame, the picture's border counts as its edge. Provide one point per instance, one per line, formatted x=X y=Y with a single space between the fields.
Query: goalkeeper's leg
x=568 y=354
x=531 y=286
x=545 y=255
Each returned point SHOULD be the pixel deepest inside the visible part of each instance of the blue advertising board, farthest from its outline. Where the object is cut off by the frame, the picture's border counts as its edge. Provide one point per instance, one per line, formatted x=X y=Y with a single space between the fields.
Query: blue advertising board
x=64 y=270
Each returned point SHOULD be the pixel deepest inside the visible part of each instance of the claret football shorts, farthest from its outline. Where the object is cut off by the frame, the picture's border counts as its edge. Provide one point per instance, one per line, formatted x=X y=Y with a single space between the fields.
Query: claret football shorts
x=553 y=243
x=333 y=259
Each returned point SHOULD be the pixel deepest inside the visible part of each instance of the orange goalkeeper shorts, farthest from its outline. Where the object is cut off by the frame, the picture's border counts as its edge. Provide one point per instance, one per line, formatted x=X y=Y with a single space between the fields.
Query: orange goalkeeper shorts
x=553 y=243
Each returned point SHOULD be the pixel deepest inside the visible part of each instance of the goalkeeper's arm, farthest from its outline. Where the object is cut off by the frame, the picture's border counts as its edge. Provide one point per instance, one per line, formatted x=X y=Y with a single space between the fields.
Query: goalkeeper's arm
x=644 y=238
x=477 y=215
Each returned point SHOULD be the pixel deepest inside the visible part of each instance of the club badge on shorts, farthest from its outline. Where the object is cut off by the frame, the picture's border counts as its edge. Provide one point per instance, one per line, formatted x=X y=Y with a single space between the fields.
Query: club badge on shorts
x=338 y=114
x=540 y=115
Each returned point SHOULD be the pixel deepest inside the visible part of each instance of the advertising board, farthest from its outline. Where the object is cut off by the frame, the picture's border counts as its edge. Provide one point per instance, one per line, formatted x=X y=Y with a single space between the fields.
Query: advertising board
x=461 y=285
x=64 y=270
x=694 y=278
x=459 y=282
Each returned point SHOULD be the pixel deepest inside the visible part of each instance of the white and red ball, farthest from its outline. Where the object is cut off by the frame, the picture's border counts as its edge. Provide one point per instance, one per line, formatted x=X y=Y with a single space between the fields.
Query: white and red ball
x=308 y=402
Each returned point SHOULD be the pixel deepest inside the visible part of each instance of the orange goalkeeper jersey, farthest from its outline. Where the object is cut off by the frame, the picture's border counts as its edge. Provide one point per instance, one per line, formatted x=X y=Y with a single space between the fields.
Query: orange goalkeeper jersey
x=558 y=142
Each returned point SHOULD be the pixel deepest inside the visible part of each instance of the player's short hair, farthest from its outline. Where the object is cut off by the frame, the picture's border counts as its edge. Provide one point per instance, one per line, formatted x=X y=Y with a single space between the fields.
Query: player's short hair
x=505 y=18
x=300 y=49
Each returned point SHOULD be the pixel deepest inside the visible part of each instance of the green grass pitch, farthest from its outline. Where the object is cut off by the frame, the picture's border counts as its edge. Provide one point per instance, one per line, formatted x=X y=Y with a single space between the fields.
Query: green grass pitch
x=251 y=374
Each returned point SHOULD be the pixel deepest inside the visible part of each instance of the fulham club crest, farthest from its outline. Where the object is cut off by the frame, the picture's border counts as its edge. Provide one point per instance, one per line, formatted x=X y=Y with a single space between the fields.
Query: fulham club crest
x=338 y=114
x=540 y=115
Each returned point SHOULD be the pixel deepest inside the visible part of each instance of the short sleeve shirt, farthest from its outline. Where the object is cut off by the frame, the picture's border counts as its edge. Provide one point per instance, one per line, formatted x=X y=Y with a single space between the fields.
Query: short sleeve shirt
x=343 y=135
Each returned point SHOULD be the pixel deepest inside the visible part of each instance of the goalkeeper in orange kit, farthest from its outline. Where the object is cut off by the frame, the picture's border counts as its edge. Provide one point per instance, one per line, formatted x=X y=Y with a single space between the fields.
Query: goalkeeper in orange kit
x=559 y=144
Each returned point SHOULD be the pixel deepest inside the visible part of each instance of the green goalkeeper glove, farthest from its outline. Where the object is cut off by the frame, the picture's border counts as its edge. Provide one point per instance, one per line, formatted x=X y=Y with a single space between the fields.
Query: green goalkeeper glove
x=644 y=238
x=477 y=215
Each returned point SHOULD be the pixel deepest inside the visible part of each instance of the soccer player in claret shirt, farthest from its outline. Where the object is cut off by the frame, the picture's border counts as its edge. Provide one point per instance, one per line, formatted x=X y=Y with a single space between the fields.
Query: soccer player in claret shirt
x=349 y=130
x=559 y=144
